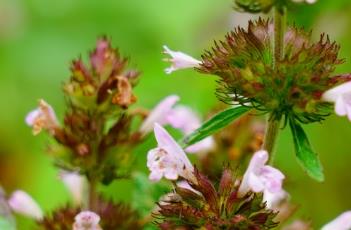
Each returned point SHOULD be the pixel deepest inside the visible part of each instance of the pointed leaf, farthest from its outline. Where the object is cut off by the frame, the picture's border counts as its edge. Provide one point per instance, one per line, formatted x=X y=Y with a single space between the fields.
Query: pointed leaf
x=217 y=122
x=307 y=158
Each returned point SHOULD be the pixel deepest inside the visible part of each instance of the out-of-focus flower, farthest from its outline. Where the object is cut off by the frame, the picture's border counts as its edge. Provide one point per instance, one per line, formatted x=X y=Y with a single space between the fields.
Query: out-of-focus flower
x=274 y=199
x=87 y=220
x=342 y=222
x=184 y=118
x=179 y=60
x=168 y=159
x=298 y=225
x=159 y=114
x=307 y=1
x=341 y=96
x=260 y=177
x=74 y=183
x=20 y=202
x=42 y=118
x=180 y=117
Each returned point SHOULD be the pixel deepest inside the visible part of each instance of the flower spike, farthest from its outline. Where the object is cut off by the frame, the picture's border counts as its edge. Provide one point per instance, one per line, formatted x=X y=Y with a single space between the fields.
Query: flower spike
x=179 y=60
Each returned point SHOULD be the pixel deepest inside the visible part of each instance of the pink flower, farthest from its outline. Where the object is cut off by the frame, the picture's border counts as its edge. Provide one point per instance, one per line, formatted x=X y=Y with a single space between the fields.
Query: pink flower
x=42 y=118
x=168 y=159
x=260 y=177
x=186 y=119
x=342 y=222
x=273 y=200
x=75 y=184
x=159 y=114
x=87 y=220
x=341 y=96
x=179 y=60
x=20 y=202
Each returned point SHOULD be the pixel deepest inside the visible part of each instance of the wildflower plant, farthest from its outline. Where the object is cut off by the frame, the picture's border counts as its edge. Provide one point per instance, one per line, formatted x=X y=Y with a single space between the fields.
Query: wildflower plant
x=269 y=68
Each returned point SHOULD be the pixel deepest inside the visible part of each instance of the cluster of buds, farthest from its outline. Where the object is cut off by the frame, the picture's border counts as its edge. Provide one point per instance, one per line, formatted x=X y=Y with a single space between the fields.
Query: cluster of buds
x=297 y=86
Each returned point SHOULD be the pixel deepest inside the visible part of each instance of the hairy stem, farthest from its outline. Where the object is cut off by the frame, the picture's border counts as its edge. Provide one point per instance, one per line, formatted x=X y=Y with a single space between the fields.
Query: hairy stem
x=272 y=130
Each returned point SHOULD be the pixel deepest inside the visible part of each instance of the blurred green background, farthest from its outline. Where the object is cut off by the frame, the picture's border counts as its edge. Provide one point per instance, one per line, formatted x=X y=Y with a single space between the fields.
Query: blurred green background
x=39 y=38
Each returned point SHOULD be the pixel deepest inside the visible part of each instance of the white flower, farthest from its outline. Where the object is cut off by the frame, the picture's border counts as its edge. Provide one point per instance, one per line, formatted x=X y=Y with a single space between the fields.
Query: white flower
x=341 y=96
x=75 y=185
x=20 y=202
x=159 y=114
x=87 y=220
x=42 y=118
x=342 y=222
x=307 y=1
x=168 y=159
x=179 y=60
x=260 y=177
x=185 y=185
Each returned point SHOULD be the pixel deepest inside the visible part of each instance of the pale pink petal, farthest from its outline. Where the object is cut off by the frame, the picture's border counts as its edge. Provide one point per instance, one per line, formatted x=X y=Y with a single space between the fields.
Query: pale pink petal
x=185 y=185
x=30 y=118
x=179 y=60
x=87 y=220
x=159 y=114
x=21 y=203
x=75 y=185
x=204 y=145
x=340 y=107
x=274 y=199
x=342 y=222
x=184 y=118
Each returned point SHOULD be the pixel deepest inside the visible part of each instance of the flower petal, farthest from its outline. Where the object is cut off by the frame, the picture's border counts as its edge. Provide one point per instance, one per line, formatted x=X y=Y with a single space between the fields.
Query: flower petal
x=179 y=60
x=342 y=222
x=22 y=203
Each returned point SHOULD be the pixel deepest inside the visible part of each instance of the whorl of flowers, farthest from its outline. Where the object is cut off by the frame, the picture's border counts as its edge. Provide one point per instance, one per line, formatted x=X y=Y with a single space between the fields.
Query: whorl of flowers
x=292 y=86
x=112 y=216
x=206 y=206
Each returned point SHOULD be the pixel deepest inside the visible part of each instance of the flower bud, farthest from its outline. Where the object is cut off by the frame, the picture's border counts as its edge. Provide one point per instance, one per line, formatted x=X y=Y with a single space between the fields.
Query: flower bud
x=87 y=220
x=20 y=202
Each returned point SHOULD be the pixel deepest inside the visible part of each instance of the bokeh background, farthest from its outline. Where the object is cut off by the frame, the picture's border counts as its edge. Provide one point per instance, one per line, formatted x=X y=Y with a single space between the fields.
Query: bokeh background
x=39 y=38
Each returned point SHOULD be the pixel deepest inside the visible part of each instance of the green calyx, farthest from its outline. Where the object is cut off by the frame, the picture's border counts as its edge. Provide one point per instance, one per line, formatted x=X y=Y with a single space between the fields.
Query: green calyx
x=293 y=87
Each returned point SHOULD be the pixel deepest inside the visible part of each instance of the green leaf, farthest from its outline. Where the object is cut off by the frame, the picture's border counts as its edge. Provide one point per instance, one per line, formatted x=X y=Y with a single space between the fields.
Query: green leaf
x=307 y=158
x=218 y=121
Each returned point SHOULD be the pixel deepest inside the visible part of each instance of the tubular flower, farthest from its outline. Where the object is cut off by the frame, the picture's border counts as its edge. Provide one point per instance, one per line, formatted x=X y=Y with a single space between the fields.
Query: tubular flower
x=260 y=177
x=179 y=60
x=342 y=222
x=87 y=220
x=20 y=202
x=292 y=87
x=74 y=183
x=341 y=96
x=42 y=118
x=168 y=159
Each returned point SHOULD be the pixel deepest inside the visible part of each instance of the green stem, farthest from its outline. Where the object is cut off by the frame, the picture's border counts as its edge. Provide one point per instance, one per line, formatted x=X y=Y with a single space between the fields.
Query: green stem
x=272 y=130
x=270 y=137
x=93 y=195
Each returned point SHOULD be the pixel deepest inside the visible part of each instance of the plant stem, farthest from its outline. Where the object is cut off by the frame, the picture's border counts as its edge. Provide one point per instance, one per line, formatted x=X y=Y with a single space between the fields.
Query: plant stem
x=272 y=130
x=93 y=195
x=270 y=137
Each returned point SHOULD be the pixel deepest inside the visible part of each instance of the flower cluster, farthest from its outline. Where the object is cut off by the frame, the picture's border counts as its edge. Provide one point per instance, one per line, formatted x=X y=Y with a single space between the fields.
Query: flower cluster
x=290 y=87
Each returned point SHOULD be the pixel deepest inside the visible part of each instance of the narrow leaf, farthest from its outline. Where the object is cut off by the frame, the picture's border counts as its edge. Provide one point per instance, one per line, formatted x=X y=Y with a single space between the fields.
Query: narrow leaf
x=307 y=158
x=218 y=121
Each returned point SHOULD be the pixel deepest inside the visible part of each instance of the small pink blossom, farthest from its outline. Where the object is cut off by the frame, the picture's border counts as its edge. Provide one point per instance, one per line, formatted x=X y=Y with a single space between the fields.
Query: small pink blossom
x=342 y=222
x=341 y=96
x=42 y=118
x=179 y=60
x=21 y=203
x=159 y=114
x=260 y=177
x=168 y=159
x=87 y=220
x=75 y=184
